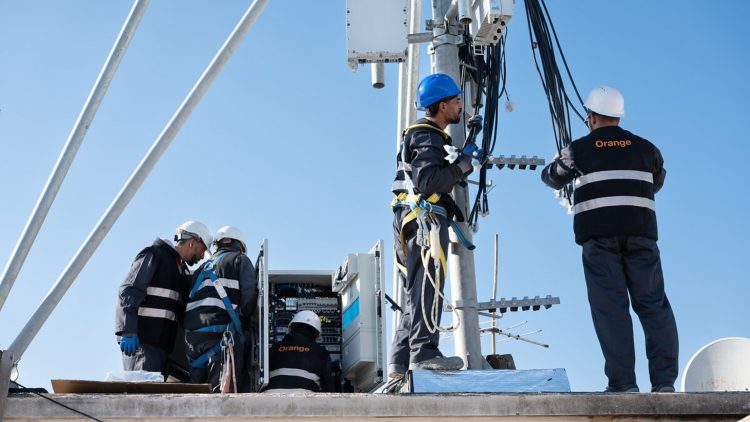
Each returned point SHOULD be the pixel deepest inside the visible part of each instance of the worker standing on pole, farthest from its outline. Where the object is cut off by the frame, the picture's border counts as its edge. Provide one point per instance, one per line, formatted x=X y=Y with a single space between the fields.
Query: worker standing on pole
x=422 y=211
x=217 y=318
x=616 y=176
x=152 y=298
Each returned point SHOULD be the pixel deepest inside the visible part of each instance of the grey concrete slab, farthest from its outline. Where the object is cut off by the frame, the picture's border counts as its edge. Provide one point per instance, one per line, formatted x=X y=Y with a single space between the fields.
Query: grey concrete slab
x=321 y=407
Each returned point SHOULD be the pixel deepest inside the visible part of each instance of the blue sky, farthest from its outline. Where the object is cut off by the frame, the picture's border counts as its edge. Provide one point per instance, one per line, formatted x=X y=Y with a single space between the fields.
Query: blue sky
x=290 y=145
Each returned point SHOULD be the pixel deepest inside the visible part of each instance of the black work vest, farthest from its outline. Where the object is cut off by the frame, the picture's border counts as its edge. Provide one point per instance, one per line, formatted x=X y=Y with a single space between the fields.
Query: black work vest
x=297 y=362
x=205 y=308
x=403 y=164
x=404 y=156
x=164 y=303
x=614 y=195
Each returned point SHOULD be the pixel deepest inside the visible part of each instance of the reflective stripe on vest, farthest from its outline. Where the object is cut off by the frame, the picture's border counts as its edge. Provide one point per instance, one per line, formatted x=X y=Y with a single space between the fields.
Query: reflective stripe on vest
x=599 y=176
x=209 y=301
x=615 y=201
x=294 y=372
x=161 y=292
x=157 y=313
x=288 y=390
x=229 y=284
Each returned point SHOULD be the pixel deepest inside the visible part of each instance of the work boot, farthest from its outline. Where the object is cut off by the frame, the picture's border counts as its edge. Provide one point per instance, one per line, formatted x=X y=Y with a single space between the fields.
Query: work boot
x=439 y=363
x=396 y=371
x=633 y=389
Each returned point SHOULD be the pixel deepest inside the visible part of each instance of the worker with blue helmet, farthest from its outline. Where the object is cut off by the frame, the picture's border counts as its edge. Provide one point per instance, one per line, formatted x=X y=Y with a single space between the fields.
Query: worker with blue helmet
x=422 y=210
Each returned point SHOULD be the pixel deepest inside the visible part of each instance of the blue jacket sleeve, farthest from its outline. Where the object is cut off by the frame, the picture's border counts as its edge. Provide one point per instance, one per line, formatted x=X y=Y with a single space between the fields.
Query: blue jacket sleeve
x=132 y=293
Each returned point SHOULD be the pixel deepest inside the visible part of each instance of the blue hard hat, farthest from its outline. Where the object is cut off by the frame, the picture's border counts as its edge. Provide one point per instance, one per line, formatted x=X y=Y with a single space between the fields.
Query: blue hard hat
x=434 y=88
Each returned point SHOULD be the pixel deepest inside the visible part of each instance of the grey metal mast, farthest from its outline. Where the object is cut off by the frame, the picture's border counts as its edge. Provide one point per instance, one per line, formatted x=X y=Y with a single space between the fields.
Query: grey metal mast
x=408 y=77
x=444 y=53
x=135 y=181
x=80 y=128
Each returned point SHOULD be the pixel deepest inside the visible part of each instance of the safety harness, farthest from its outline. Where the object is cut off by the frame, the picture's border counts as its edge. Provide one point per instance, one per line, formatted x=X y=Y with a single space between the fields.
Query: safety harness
x=234 y=328
x=424 y=212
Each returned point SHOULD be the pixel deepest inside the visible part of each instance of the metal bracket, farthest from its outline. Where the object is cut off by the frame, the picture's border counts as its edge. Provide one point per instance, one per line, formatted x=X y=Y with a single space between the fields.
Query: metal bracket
x=419 y=37
x=461 y=304
x=443 y=39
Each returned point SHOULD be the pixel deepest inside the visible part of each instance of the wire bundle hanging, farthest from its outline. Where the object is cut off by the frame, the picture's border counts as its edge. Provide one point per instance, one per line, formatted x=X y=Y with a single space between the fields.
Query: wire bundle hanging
x=546 y=45
x=488 y=72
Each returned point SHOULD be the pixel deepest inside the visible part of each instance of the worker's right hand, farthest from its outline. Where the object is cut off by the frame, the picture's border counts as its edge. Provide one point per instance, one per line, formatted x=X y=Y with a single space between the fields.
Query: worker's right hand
x=129 y=345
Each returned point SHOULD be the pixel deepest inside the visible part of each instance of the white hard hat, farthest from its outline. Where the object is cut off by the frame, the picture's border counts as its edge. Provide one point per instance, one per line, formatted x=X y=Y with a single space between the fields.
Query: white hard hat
x=230 y=232
x=194 y=230
x=606 y=101
x=309 y=318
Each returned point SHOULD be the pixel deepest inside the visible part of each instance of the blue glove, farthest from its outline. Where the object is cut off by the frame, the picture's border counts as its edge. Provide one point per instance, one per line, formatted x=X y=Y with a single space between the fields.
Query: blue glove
x=129 y=345
x=474 y=121
x=472 y=150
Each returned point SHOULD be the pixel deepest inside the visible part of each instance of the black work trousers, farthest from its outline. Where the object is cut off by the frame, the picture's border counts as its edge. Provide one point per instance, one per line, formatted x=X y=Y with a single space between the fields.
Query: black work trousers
x=620 y=270
x=146 y=358
x=413 y=342
x=211 y=373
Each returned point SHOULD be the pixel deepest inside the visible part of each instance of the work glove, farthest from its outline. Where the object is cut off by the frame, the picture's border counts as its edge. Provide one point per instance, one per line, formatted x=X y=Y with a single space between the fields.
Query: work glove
x=129 y=345
x=475 y=121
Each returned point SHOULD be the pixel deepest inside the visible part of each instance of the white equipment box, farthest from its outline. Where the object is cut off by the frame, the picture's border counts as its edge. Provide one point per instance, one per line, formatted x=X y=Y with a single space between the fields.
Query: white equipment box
x=376 y=31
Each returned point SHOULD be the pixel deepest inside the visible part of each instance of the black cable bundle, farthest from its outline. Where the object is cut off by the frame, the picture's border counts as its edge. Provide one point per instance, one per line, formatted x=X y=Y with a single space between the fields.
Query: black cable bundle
x=489 y=74
x=541 y=34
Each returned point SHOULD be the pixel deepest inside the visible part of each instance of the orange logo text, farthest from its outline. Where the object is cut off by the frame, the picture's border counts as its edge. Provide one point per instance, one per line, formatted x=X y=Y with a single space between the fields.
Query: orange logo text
x=608 y=144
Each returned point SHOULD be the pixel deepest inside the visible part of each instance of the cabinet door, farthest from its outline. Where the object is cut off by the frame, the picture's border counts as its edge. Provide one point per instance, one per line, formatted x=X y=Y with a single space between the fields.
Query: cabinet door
x=262 y=266
x=359 y=281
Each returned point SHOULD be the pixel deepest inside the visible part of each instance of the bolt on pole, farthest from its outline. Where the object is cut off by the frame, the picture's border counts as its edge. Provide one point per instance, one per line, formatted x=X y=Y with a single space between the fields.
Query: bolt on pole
x=460 y=260
x=135 y=181
x=75 y=138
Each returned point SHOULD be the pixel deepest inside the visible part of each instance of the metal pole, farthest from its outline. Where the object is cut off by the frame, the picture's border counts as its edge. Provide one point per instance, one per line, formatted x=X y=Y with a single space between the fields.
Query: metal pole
x=494 y=292
x=408 y=77
x=135 y=181
x=75 y=138
x=460 y=260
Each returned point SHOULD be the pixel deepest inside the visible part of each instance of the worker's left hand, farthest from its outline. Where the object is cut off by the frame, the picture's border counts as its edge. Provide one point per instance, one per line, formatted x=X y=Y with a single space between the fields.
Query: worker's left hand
x=129 y=345
x=475 y=121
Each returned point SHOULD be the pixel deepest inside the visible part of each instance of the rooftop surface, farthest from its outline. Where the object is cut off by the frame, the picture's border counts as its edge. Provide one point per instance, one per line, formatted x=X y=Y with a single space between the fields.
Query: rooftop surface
x=732 y=406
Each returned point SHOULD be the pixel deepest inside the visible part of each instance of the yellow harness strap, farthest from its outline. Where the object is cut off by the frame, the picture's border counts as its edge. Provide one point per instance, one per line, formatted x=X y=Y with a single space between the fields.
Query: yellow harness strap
x=413 y=199
x=426 y=126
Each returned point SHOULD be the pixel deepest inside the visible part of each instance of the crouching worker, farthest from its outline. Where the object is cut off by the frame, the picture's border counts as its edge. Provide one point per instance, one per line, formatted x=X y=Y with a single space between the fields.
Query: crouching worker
x=223 y=298
x=297 y=362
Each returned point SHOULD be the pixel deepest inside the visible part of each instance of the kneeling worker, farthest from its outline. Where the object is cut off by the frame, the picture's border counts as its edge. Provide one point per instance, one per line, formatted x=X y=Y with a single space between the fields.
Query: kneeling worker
x=298 y=363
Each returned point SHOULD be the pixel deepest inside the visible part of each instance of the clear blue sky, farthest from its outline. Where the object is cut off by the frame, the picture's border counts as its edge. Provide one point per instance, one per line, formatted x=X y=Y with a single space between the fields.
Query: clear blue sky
x=290 y=145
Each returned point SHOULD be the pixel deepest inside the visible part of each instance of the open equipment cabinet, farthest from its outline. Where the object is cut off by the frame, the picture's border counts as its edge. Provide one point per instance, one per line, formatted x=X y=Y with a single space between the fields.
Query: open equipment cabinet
x=350 y=304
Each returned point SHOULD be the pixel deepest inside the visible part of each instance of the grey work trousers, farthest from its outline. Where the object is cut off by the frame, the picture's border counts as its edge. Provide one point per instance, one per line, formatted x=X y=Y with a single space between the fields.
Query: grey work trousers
x=413 y=342
x=618 y=267
x=147 y=358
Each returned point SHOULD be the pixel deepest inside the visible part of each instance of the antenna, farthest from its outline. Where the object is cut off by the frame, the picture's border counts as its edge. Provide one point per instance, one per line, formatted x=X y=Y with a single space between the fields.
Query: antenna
x=721 y=365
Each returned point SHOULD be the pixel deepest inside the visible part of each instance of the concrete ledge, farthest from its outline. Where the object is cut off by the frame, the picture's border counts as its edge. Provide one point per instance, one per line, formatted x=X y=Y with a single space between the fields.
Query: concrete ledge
x=677 y=406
